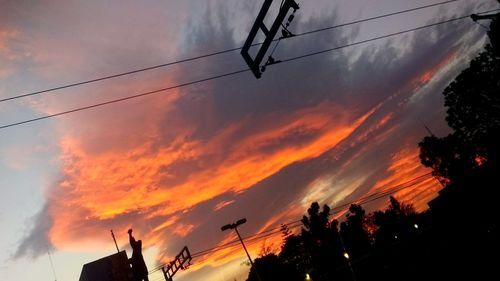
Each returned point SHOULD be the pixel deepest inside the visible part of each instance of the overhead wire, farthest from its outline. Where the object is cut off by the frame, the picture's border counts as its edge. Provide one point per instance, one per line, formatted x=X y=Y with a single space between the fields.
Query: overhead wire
x=256 y=238
x=250 y=242
x=167 y=64
x=123 y=99
x=366 y=199
x=235 y=72
x=339 y=208
x=382 y=37
x=203 y=258
x=387 y=191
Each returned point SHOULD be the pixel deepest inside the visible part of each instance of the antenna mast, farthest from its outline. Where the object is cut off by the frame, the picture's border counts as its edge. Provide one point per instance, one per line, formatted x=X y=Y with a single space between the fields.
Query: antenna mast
x=52 y=265
x=114 y=239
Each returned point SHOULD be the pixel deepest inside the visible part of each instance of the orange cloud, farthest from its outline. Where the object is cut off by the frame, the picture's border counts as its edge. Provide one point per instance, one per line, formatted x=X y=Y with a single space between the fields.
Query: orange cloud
x=183 y=229
x=167 y=223
x=7 y=53
x=5 y=37
x=405 y=167
x=101 y=185
x=223 y=204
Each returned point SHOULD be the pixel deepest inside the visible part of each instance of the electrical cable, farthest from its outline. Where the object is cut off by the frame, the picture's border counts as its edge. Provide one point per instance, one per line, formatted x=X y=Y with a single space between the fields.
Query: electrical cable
x=234 y=72
x=213 y=53
x=259 y=236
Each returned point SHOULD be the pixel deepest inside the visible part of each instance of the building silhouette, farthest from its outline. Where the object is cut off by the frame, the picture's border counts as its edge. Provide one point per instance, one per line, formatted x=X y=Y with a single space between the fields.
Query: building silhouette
x=115 y=267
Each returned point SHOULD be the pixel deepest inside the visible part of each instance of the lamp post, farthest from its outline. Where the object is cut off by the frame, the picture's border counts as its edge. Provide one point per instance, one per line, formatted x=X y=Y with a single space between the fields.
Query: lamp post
x=347 y=257
x=235 y=227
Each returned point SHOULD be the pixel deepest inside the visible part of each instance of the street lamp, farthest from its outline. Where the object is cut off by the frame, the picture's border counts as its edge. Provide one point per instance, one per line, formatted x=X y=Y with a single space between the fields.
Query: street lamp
x=347 y=257
x=235 y=227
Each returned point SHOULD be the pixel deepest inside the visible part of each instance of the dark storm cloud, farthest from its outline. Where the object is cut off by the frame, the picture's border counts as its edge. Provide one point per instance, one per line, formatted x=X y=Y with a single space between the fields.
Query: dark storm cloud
x=37 y=242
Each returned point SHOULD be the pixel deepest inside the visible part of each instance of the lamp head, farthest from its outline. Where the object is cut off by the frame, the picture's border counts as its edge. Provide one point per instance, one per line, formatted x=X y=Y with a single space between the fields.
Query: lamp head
x=226 y=227
x=242 y=221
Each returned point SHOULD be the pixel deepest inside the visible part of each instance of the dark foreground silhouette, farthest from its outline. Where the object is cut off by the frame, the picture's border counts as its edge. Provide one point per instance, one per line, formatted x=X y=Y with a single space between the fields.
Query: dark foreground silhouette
x=395 y=244
x=139 y=269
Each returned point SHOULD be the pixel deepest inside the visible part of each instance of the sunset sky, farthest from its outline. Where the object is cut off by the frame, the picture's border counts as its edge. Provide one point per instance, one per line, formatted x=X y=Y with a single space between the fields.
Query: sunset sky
x=177 y=165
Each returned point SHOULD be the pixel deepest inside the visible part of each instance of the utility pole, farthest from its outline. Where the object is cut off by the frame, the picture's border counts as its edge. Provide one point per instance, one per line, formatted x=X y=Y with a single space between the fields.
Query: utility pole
x=235 y=227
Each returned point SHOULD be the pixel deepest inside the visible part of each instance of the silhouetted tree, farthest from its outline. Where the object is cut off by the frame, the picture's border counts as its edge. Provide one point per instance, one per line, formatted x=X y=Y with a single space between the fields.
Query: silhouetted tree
x=295 y=255
x=316 y=225
x=314 y=235
x=449 y=157
x=266 y=249
x=353 y=232
x=473 y=99
x=396 y=222
x=322 y=239
x=467 y=160
x=473 y=112
x=270 y=268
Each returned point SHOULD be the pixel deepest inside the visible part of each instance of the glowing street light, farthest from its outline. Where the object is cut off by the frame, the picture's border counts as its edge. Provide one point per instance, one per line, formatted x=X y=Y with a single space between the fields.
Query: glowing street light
x=346 y=255
x=415 y=226
x=235 y=227
x=308 y=277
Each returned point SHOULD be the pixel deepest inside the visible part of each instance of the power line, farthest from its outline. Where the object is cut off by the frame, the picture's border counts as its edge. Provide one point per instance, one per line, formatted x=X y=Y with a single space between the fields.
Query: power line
x=201 y=258
x=375 y=18
x=339 y=208
x=216 y=53
x=362 y=201
x=249 y=242
x=258 y=236
x=123 y=99
x=235 y=72
x=250 y=238
x=366 y=199
x=255 y=238
x=381 y=37
x=381 y=195
x=387 y=191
